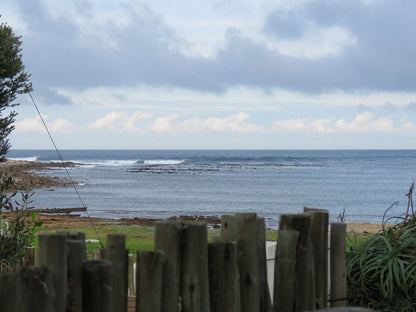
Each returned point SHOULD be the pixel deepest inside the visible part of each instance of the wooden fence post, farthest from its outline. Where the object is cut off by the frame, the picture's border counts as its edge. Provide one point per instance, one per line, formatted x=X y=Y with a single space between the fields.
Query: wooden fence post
x=117 y=253
x=53 y=253
x=194 y=267
x=168 y=239
x=96 y=255
x=77 y=253
x=223 y=277
x=37 y=290
x=229 y=234
x=149 y=277
x=9 y=292
x=338 y=264
x=131 y=276
x=96 y=286
x=229 y=228
x=319 y=238
x=284 y=276
x=30 y=256
x=248 y=262
x=265 y=300
x=305 y=284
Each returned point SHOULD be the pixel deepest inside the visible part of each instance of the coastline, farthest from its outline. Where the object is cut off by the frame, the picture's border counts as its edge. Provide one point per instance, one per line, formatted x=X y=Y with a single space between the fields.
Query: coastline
x=27 y=178
x=76 y=221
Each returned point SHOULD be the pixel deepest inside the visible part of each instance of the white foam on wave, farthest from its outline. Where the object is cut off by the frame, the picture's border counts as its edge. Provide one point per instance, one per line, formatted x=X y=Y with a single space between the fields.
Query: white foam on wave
x=107 y=163
x=34 y=158
x=158 y=162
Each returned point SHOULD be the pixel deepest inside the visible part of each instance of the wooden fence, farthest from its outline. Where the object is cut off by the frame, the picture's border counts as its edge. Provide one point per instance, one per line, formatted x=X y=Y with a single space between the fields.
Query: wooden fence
x=185 y=273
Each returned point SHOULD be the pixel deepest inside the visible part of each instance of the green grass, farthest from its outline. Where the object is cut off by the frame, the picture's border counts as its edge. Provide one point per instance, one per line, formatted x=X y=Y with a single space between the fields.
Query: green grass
x=137 y=237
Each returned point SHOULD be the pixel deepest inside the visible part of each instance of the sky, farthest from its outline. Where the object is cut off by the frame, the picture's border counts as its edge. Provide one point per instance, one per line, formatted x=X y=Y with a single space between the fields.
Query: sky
x=210 y=74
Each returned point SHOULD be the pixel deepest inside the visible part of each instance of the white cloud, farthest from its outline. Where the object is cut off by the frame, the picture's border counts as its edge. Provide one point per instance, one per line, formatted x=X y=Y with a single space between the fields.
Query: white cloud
x=62 y=125
x=35 y=124
x=164 y=124
x=29 y=125
x=303 y=125
x=409 y=126
x=363 y=123
x=130 y=123
x=119 y=122
x=109 y=122
x=233 y=124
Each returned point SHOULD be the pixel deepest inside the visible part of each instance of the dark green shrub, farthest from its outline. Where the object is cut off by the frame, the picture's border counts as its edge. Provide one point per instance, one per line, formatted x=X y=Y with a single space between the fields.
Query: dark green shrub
x=16 y=233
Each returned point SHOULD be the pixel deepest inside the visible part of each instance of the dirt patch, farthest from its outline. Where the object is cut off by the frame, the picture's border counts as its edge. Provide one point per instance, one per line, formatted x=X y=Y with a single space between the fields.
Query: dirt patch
x=362 y=227
x=76 y=221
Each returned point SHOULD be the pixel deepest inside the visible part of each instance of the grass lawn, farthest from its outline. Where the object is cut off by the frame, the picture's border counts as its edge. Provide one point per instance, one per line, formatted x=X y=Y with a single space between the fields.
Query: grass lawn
x=137 y=237
x=142 y=237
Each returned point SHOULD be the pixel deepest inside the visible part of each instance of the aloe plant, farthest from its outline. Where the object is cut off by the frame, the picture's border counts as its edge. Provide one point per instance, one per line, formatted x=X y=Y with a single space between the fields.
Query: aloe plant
x=381 y=271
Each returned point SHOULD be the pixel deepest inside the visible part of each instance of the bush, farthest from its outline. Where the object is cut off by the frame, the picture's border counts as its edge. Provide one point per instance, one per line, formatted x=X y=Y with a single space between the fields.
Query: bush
x=381 y=272
x=16 y=233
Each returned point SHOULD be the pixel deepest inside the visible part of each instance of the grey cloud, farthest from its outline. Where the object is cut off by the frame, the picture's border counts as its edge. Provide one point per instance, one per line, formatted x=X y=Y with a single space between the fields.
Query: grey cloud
x=285 y=25
x=411 y=106
x=59 y=54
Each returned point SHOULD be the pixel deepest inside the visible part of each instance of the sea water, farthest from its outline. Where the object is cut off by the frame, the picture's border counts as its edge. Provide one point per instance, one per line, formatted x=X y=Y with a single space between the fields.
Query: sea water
x=162 y=183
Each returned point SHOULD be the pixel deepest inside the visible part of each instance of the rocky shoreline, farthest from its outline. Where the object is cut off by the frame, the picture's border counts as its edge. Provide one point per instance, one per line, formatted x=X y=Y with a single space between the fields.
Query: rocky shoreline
x=27 y=176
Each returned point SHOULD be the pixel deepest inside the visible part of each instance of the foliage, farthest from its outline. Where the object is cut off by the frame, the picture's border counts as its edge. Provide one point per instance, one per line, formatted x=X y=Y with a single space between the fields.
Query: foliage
x=15 y=231
x=13 y=81
x=381 y=272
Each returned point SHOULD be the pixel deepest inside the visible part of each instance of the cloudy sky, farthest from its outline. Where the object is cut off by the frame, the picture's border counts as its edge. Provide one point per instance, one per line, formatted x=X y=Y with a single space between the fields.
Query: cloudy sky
x=203 y=74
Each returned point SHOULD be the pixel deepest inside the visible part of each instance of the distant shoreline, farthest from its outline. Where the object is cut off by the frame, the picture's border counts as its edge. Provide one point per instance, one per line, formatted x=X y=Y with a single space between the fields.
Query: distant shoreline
x=26 y=178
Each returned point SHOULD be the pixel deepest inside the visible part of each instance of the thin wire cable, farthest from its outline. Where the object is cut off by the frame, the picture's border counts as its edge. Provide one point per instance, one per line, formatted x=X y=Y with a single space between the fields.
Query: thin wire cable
x=66 y=169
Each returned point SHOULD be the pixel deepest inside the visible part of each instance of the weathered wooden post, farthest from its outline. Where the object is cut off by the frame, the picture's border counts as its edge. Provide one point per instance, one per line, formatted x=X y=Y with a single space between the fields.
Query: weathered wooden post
x=304 y=284
x=53 y=253
x=9 y=292
x=117 y=253
x=30 y=256
x=229 y=234
x=168 y=236
x=319 y=238
x=131 y=277
x=96 y=286
x=149 y=278
x=285 y=272
x=37 y=292
x=223 y=277
x=194 y=267
x=229 y=228
x=338 y=264
x=265 y=300
x=77 y=253
x=96 y=255
x=248 y=262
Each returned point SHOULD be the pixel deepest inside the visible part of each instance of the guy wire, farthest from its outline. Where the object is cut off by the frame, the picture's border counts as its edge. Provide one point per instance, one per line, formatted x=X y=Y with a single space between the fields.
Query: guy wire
x=66 y=170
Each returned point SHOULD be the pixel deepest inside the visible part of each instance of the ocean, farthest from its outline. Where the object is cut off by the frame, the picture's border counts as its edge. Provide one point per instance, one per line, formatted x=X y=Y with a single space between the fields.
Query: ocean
x=164 y=183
